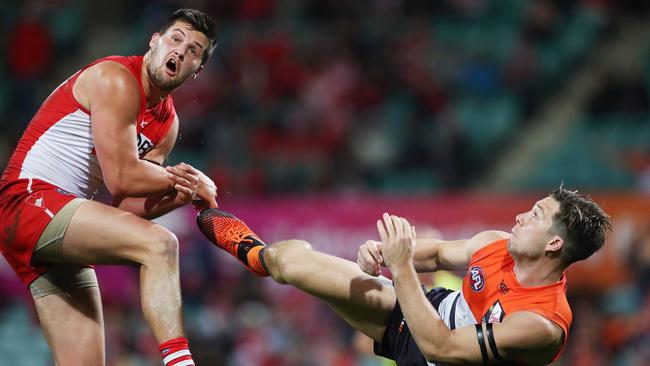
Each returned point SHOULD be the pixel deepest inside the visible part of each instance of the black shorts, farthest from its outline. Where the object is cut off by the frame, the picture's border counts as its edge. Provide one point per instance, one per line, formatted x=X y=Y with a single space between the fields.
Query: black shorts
x=398 y=343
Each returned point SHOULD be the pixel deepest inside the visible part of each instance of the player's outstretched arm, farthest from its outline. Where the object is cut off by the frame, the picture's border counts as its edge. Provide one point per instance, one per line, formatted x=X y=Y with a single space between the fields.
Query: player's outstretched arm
x=434 y=254
x=112 y=96
x=430 y=254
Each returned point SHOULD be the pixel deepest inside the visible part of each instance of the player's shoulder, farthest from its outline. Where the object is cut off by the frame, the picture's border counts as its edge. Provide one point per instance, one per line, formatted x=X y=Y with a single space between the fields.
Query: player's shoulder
x=107 y=79
x=485 y=238
x=112 y=73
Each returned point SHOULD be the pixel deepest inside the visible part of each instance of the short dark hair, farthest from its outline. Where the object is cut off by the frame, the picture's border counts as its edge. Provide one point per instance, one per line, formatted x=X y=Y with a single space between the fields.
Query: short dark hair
x=582 y=223
x=200 y=21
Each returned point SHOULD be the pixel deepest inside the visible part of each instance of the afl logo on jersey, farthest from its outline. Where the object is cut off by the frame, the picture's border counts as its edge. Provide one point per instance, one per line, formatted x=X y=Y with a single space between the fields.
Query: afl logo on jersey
x=476 y=278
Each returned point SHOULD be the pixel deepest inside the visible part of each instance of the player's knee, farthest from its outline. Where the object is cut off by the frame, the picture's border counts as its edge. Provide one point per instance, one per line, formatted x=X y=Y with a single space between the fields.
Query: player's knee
x=163 y=245
x=286 y=256
x=291 y=248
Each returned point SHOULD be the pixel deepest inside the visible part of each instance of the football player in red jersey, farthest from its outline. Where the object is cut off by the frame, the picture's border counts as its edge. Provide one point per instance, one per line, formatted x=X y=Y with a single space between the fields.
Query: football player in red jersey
x=111 y=124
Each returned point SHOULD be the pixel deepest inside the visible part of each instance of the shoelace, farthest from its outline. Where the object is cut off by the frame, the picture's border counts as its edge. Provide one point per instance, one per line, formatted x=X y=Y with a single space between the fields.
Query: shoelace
x=238 y=234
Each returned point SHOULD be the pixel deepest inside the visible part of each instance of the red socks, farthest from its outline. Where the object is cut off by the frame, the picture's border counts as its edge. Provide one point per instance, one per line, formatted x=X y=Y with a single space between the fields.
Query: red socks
x=176 y=352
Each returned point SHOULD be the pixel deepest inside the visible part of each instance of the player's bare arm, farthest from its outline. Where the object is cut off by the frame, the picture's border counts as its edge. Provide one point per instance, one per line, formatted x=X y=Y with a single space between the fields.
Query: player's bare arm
x=186 y=186
x=523 y=336
x=112 y=96
x=430 y=254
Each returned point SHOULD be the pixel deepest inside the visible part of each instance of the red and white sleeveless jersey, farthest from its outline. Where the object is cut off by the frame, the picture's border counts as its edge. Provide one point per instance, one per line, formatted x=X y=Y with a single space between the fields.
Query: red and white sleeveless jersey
x=57 y=146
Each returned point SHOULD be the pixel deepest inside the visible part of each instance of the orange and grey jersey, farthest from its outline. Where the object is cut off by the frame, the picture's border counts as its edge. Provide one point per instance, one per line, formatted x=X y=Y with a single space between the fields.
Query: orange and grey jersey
x=491 y=292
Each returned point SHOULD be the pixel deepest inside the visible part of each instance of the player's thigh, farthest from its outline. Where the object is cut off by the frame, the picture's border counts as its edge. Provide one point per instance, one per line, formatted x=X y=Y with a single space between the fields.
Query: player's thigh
x=361 y=300
x=73 y=326
x=330 y=278
x=101 y=234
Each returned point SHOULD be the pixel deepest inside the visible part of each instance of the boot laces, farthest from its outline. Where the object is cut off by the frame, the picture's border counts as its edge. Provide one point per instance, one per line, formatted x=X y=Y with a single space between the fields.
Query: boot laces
x=237 y=234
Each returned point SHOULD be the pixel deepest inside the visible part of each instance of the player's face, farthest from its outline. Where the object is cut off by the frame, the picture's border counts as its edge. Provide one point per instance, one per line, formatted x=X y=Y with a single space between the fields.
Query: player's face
x=532 y=231
x=175 y=55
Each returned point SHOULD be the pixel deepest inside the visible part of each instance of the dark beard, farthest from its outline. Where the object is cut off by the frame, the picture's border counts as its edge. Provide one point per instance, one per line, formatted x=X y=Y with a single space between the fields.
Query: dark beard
x=157 y=78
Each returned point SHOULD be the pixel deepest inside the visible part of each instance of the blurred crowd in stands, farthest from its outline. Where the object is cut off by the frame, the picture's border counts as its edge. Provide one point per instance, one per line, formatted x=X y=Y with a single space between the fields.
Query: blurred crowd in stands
x=321 y=96
x=326 y=95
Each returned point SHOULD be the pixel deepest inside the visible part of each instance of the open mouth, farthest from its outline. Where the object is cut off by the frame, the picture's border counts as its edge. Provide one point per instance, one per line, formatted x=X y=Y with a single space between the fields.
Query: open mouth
x=171 y=66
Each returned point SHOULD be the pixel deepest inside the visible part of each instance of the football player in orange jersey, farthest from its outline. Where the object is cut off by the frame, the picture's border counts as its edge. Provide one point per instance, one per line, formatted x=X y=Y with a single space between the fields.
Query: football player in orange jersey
x=512 y=307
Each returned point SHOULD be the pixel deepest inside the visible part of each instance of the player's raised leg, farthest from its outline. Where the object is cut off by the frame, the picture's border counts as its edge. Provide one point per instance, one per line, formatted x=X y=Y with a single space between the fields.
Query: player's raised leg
x=360 y=299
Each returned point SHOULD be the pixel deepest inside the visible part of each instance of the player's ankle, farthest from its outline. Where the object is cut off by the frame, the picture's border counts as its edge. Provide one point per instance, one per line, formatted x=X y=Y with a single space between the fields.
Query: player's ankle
x=255 y=261
x=270 y=257
x=176 y=352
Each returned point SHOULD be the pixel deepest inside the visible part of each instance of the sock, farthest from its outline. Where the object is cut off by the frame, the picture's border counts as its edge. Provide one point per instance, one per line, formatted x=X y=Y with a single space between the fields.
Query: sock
x=176 y=352
x=256 y=260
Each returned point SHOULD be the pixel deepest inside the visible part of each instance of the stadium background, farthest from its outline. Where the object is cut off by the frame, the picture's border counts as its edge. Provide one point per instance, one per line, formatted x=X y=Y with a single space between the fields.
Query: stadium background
x=314 y=117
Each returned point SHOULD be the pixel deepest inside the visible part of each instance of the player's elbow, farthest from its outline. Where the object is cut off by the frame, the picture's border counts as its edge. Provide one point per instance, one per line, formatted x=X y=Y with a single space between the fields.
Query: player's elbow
x=431 y=348
x=117 y=183
x=436 y=355
x=430 y=355
x=443 y=352
x=116 y=190
x=443 y=358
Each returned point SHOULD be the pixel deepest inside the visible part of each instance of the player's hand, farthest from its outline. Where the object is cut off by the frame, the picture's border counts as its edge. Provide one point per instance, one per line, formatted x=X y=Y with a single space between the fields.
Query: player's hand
x=369 y=257
x=397 y=240
x=186 y=181
x=207 y=193
x=182 y=197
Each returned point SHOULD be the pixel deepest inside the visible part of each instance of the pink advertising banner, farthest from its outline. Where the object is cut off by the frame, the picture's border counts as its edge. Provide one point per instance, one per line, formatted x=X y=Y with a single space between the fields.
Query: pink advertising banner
x=339 y=224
